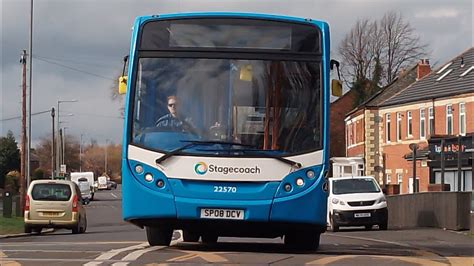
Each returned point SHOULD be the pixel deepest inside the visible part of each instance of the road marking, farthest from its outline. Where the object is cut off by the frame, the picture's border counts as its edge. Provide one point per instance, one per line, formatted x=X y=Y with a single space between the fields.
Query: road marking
x=461 y=260
x=420 y=261
x=136 y=254
x=209 y=257
x=5 y=262
x=67 y=244
x=113 y=195
x=111 y=253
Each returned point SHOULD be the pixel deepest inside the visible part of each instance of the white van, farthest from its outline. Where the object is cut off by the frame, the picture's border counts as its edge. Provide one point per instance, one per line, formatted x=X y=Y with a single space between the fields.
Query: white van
x=76 y=176
x=356 y=201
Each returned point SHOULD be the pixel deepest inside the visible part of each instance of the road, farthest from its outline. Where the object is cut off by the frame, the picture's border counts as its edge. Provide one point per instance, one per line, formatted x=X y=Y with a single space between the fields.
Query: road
x=110 y=241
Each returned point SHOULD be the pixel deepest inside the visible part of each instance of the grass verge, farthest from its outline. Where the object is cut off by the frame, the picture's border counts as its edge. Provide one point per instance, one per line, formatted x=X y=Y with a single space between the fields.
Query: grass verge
x=12 y=225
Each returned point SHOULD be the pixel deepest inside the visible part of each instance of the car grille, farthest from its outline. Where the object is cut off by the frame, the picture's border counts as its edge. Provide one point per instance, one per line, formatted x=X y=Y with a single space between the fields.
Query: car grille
x=361 y=203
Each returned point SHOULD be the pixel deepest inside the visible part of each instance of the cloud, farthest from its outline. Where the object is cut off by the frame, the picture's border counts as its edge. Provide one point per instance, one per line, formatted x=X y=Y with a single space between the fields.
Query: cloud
x=438 y=13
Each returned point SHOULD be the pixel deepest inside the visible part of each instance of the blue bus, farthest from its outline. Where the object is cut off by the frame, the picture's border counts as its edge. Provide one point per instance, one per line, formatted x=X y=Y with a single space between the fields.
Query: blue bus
x=226 y=127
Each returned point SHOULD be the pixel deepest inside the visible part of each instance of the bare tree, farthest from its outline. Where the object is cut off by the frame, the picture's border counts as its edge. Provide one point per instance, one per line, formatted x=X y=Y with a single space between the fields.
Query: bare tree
x=391 y=43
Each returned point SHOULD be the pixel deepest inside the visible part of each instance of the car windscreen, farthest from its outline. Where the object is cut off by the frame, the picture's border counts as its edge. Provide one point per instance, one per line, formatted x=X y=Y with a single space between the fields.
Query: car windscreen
x=51 y=192
x=349 y=186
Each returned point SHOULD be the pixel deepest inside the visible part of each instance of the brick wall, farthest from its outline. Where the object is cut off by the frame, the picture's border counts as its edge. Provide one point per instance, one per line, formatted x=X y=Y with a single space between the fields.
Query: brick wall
x=338 y=111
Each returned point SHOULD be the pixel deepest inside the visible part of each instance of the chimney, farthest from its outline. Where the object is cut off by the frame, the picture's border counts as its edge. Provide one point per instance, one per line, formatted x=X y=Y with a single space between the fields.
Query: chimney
x=423 y=68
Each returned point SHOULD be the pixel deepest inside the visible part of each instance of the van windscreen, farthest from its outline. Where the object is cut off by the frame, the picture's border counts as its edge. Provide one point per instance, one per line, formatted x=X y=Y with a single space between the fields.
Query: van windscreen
x=51 y=192
x=348 y=186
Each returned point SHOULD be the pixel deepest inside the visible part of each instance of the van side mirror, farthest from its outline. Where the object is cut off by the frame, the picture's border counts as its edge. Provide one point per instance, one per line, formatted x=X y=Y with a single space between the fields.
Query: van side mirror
x=384 y=191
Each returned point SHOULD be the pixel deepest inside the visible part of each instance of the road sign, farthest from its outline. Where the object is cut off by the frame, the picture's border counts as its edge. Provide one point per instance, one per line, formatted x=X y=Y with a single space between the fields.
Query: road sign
x=63 y=168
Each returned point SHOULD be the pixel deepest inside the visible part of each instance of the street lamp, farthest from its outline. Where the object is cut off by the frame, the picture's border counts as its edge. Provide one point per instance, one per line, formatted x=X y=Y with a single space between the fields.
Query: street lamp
x=105 y=166
x=58 y=126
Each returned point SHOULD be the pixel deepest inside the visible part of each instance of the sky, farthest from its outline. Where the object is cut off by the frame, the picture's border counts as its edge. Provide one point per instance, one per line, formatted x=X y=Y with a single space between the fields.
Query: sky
x=78 y=46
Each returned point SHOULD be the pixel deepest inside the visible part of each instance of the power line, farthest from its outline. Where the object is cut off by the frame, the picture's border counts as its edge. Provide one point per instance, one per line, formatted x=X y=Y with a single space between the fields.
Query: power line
x=80 y=62
x=18 y=117
x=72 y=68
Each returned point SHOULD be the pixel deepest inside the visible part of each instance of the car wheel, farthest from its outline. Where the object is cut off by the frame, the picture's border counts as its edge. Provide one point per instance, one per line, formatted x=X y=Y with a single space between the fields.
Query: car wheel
x=37 y=230
x=209 y=238
x=158 y=236
x=334 y=225
x=189 y=236
x=84 y=225
x=77 y=227
x=27 y=229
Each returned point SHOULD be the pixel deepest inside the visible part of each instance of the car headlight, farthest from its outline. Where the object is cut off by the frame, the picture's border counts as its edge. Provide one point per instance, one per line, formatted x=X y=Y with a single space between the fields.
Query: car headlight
x=337 y=201
x=381 y=200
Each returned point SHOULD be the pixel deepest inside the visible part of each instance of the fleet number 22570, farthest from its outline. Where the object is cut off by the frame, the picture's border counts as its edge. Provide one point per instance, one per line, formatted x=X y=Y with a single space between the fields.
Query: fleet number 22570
x=224 y=189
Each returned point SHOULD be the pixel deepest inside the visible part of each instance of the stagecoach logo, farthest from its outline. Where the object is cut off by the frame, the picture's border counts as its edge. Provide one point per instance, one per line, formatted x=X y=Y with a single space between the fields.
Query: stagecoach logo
x=200 y=168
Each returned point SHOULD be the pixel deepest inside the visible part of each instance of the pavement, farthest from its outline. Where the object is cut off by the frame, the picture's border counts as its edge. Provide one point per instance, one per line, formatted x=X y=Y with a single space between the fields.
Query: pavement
x=48 y=230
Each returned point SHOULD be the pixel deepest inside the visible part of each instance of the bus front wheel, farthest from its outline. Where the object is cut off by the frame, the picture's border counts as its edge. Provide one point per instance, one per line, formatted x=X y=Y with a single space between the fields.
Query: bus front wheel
x=158 y=236
x=209 y=238
x=190 y=236
x=302 y=241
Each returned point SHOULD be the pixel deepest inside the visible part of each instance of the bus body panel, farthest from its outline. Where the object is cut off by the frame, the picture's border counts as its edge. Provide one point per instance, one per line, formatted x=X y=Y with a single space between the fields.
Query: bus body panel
x=185 y=198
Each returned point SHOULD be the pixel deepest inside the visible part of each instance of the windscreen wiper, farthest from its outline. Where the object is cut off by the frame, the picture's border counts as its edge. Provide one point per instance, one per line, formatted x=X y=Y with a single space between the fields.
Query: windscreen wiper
x=192 y=143
x=293 y=164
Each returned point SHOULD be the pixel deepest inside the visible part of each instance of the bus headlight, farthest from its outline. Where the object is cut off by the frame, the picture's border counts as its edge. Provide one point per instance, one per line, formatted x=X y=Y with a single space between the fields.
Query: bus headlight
x=139 y=169
x=299 y=182
x=287 y=187
x=149 y=177
x=160 y=183
x=310 y=174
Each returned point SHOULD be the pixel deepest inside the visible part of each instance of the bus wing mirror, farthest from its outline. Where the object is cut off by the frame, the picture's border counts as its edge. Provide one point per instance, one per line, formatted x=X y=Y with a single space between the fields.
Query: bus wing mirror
x=123 y=84
x=336 y=88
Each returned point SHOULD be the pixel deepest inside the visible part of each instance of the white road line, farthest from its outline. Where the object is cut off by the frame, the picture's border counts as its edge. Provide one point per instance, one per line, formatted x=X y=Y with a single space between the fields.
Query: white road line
x=111 y=253
x=113 y=195
x=135 y=255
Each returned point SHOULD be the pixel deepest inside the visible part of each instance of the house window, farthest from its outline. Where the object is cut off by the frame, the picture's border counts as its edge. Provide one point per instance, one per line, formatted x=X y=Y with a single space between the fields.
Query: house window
x=387 y=127
x=409 y=124
x=399 y=126
x=399 y=179
x=389 y=179
x=462 y=119
x=449 y=119
x=422 y=124
x=430 y=121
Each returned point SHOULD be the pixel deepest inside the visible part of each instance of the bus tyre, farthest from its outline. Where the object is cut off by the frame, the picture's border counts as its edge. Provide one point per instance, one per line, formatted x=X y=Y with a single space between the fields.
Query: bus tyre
x=209 y=238
x=158 y=236
x=302 y=241
x=189 y=236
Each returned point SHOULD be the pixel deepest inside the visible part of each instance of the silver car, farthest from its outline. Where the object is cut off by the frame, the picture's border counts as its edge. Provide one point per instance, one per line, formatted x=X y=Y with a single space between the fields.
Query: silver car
x=54 y=204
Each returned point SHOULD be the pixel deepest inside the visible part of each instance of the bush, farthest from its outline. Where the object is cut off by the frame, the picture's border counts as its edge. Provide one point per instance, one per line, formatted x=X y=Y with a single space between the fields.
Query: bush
x=12 y=181
x=38 y=174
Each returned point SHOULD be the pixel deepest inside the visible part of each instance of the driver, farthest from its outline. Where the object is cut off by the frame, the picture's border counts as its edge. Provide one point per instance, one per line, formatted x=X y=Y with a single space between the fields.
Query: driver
x=171 y=120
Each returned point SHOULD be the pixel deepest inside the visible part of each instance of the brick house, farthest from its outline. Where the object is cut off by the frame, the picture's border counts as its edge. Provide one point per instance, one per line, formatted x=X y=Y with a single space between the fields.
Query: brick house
x=339 y=109
x=416 y=106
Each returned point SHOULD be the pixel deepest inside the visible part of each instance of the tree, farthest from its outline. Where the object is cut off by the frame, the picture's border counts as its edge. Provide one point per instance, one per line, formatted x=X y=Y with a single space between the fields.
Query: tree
x=373 y=52
x=9 y=156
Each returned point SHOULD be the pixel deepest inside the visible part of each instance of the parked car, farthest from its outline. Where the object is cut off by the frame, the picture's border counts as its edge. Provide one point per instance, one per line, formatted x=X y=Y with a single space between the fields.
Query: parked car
x=111 y=184
x=356 y=201
x=54 y=204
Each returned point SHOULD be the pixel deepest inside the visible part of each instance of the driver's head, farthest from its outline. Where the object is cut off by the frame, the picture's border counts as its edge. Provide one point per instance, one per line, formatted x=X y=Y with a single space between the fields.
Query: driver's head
x=172 y=102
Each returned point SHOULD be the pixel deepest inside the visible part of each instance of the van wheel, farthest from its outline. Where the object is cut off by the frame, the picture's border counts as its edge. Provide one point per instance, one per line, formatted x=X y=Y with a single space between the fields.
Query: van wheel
x=368 y=227
x=334 y=225
x=209 y=238
x=37 y=230
x=383 y=226
x=158 y=236
x=306 y=242
x=189 y=236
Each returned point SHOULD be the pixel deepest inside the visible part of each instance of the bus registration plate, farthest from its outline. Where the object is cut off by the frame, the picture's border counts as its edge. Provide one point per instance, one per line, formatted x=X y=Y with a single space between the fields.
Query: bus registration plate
x=361 y=215
x=222 y=214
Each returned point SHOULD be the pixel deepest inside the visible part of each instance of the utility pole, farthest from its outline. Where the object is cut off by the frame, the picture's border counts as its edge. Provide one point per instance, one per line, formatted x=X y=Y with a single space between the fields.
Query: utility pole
x=414 y=147
x=105 y=166
x=80 y=155
x=28 y=155
x=53 y=146
x=442 y=164
x=23 y=179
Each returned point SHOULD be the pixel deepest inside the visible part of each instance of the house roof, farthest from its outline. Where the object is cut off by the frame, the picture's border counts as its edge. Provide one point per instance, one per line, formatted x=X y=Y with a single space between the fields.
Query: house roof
x=401 y=82
x=455 y=77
